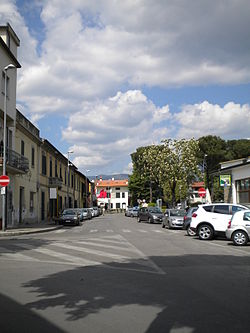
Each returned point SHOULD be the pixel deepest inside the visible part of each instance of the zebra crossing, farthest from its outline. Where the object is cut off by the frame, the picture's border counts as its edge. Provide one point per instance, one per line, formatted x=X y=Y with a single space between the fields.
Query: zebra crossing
x=126 y=231
x=111 y=251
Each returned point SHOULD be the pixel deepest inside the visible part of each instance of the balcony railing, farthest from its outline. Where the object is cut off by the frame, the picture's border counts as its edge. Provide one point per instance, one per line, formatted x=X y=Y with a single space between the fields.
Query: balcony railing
x=55 y=181
x=14 y=160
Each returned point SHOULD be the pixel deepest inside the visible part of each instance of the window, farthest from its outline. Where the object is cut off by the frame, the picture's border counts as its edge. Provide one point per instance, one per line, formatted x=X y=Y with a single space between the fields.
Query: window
x=208 y=208
x=50 y=167
x=22 y=147
x=117 y=188
x=236 y=209
x=65 y=177
x=56 y=175
x=118 y=205
x=117 y=195
x=32 y=194
x=123 y=195
x=3 y=84
x=33 y=157
x=243 y=191
x=60 y=170
x=44 y=166
x=221 y=209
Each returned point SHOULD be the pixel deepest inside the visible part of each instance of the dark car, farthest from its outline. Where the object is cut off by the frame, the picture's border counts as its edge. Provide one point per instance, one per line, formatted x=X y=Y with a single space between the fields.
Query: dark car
x=150 y=215
x=188 y=219
x=70 y=216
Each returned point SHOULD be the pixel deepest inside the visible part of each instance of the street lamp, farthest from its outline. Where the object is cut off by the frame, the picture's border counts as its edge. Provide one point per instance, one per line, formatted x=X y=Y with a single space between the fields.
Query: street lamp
x=86 y=185
x=69 y=152
x=4 y=141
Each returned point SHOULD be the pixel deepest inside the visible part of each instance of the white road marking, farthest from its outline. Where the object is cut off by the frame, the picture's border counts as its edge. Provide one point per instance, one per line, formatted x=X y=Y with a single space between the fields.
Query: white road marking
x=6 y=253
x=93 y=230
x=109 y=230
x=60 y=231
x=88 y=250
x=67 y=257
x=104 y=245
x=126 y=230
x=142 y=230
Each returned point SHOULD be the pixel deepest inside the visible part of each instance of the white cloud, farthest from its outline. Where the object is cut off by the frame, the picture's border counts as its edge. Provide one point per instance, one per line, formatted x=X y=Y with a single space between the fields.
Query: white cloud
x=93 y=48
x=106 y=130
x=230 y=121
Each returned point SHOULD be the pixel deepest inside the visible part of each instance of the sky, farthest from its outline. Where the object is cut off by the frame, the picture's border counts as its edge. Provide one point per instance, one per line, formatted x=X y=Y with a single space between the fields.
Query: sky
x=104 y=77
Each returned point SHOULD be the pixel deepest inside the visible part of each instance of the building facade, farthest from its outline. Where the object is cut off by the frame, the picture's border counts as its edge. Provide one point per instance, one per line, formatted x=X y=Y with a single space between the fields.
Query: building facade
x=237 y=190
x=43 y=181
x=113 y=194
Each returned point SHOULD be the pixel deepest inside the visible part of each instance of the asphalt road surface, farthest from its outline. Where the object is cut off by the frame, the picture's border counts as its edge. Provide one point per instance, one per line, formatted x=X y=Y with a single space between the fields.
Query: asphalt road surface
x=114 y=275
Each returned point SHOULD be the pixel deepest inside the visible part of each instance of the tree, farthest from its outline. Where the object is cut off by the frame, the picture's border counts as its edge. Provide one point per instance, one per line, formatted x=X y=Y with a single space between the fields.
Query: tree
x=177 y=163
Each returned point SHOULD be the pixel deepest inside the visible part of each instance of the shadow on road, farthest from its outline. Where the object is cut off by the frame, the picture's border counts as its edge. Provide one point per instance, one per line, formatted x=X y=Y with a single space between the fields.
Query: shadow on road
x=17 y=318
x=198 y=293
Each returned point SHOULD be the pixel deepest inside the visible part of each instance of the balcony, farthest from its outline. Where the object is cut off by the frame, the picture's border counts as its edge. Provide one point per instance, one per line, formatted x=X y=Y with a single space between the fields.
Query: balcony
x=15 y=162
x=55 y=182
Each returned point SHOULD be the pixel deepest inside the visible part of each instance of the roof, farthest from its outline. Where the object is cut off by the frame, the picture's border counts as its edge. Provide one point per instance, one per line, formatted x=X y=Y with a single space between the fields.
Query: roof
x=112 y=183
x=234 y=163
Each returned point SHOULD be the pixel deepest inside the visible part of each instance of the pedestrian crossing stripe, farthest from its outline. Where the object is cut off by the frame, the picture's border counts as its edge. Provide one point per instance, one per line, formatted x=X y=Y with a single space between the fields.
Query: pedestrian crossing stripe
x=55 y=253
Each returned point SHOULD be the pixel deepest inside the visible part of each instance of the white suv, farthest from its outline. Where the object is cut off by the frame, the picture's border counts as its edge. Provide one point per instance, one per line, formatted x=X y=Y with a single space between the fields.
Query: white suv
x=212 y=219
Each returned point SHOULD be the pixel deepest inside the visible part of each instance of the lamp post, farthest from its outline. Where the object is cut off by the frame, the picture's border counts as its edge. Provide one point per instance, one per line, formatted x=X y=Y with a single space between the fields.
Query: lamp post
x=86 y=187
x=68 y=180
x=4 y=141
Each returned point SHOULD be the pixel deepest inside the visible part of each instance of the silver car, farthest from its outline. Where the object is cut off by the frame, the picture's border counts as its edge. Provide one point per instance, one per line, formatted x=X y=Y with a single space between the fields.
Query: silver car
x=174 y=218
x=238 y=229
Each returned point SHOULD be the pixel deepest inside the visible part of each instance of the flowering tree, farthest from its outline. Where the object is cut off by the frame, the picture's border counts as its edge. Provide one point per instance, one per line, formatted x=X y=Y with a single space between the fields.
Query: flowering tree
x=178 y=166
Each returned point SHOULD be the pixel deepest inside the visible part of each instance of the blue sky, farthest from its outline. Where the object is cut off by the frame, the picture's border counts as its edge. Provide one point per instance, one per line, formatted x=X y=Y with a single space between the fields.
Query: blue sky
x=103 y=77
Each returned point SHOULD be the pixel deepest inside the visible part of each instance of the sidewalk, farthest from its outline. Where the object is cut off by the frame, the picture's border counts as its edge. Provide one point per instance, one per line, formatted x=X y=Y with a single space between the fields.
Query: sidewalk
x=30 y=229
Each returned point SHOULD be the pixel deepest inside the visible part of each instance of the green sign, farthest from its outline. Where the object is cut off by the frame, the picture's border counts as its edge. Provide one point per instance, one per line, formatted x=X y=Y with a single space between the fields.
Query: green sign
x=225 y=180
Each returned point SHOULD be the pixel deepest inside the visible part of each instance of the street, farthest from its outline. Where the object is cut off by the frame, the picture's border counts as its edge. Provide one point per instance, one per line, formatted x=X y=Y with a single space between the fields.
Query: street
x=114 y=275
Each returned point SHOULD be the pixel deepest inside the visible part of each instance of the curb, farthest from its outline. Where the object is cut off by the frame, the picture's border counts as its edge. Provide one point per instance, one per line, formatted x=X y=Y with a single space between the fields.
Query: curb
x=28 y=231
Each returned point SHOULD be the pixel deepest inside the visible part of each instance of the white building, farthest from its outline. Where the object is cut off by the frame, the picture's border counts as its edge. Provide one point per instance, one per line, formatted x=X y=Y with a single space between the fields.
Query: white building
x=238 y=171
x=113 y=194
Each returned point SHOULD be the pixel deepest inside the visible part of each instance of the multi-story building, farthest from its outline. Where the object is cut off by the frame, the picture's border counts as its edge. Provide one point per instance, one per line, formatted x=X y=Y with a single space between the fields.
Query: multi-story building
x=42 y=180
x=113 y=194
x=16 y=164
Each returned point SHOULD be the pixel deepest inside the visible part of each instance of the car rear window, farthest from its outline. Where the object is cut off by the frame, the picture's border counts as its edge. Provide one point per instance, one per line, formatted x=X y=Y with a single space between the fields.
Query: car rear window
x=221 y=209
x=208 y=208
x=236 y=209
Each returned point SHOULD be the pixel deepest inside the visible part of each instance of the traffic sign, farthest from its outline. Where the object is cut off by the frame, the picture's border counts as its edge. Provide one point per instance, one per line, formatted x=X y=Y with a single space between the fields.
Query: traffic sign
x=202 y=192
x=4 y=180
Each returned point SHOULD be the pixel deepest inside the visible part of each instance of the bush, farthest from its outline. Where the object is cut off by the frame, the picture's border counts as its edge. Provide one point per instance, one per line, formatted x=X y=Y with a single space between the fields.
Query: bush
x=151 y=204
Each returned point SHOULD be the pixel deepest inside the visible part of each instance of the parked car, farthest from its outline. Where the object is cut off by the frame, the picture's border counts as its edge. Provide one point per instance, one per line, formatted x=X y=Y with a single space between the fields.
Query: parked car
x=70 y=216
x=96 y=211
x=238 y=229
x=150 y=214
x=134 y=212
x=174 y=218
x=211 y=220
x=91 y=210
x=187 y=220
x=85 y=214
x=128 y=211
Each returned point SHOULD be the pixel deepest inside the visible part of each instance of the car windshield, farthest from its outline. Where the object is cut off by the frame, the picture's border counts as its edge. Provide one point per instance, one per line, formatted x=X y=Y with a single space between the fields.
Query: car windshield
x=154 y=210
x=69 y=212
x=177 y=212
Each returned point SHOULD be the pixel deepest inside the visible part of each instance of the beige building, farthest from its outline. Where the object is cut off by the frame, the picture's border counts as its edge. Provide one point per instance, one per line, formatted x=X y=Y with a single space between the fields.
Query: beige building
x=42 y=180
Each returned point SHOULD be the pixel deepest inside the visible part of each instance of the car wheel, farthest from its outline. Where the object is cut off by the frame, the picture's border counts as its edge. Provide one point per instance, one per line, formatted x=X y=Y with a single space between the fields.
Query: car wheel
x=240 y=238
x=150 y=220
x=190 y=232
x=138 y=219
x=163 y=225
x=205 y=232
